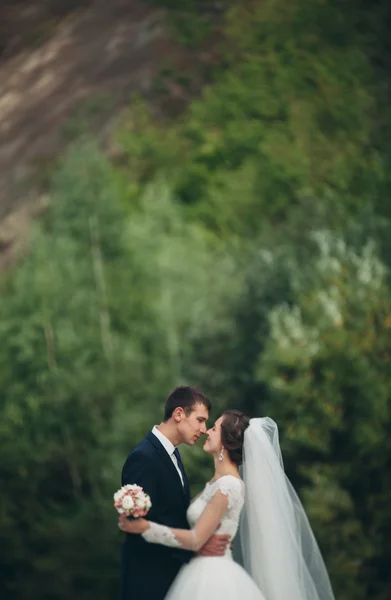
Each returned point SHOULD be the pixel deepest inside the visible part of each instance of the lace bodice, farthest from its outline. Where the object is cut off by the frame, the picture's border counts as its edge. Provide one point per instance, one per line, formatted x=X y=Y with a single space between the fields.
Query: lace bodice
x=229 y=486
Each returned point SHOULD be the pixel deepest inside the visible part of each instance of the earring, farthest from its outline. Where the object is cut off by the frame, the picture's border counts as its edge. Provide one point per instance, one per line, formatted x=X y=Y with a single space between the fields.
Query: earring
x=221 y=455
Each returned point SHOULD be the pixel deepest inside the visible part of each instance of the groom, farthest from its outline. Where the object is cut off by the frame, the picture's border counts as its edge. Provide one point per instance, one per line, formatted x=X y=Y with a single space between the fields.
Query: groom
x=148 y=570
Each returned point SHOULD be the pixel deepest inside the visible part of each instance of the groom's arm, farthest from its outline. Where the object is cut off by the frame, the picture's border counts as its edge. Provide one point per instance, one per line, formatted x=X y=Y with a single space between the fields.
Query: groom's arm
x=215 y=546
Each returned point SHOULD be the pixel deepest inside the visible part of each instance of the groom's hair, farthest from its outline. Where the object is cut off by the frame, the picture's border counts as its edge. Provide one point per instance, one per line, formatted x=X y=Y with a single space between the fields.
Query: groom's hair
x=185 y=397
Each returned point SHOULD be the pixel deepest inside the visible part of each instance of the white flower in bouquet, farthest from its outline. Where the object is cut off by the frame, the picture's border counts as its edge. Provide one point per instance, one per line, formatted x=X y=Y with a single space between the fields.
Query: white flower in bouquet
x=118 y=495
x=140 y=501
x=127 y=503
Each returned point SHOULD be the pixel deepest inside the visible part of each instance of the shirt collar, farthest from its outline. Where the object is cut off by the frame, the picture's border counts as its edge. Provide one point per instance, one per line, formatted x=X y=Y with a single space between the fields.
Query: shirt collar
x=168 y=446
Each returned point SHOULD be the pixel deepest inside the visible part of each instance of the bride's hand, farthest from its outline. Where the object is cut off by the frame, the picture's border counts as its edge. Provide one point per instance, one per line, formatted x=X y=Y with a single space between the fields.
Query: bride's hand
x=137 y=526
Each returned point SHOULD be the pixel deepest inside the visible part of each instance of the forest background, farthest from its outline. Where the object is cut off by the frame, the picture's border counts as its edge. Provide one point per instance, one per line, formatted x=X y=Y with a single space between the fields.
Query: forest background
x=235 y=237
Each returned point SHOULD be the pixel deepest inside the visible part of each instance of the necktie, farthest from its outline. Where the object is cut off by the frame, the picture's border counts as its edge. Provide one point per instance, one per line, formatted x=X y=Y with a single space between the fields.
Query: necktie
x=180 y=465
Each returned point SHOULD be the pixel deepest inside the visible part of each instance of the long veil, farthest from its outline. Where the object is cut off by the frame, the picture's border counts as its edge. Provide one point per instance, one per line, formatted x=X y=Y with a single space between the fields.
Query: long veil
x=277 y=546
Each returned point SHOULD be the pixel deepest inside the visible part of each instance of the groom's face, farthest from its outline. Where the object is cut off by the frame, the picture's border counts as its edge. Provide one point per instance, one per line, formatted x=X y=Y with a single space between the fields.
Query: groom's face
x=191 y=427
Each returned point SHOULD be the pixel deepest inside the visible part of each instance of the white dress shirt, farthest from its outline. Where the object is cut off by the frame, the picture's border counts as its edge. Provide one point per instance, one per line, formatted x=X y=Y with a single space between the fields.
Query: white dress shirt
x=169 y=448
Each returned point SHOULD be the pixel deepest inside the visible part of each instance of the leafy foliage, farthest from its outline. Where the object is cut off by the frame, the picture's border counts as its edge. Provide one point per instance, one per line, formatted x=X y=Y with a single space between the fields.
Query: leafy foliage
x=243 y=247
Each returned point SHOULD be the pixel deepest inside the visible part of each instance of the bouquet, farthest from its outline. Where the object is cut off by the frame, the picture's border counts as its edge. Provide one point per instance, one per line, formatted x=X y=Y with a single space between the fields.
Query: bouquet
x=132 y=501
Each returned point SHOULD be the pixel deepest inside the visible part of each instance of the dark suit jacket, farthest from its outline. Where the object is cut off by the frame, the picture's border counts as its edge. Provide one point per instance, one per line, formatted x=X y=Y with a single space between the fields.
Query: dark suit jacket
x=148 y=570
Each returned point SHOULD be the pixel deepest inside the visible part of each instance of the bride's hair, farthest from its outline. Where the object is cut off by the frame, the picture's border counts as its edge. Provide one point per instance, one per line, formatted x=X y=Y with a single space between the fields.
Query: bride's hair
x=233 y=426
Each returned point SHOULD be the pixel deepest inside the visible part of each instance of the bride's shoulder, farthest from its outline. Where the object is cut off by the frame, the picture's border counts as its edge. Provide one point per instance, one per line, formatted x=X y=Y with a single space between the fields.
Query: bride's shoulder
x=226 y=478
x=231 y=478
x=230 y=486
x=227 y=482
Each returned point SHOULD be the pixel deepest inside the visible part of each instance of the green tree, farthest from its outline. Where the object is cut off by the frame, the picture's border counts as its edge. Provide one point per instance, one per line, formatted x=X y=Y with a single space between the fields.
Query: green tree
x=326 y=367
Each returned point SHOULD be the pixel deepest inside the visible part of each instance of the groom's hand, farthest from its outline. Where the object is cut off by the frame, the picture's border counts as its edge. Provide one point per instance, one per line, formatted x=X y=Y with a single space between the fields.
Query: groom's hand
x=216 y=545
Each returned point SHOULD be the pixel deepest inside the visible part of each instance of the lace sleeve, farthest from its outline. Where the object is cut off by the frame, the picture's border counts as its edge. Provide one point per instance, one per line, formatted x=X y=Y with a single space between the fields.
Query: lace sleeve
x=160 y=534
x=232 y=487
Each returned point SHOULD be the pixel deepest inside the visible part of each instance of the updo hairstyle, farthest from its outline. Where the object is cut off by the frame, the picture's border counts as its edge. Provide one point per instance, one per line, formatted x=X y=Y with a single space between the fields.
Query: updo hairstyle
x=233 y=426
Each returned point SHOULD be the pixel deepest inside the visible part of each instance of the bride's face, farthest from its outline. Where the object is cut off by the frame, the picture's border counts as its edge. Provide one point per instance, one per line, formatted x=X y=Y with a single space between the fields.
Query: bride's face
x=213 y=441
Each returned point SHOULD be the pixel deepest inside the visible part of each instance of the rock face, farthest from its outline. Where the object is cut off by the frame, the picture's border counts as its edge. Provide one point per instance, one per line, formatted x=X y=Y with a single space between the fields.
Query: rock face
x=107 y=48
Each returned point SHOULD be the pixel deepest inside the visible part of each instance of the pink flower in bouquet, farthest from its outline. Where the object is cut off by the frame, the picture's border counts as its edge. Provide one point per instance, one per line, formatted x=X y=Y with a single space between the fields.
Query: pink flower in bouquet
x=132 y=501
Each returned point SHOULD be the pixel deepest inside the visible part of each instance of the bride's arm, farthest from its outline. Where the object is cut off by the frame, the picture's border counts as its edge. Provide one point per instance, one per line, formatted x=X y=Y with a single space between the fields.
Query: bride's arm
x=182 y=538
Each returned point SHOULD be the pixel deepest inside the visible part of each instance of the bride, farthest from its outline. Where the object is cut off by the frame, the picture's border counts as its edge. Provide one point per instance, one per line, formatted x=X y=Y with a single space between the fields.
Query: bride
x=280 y=557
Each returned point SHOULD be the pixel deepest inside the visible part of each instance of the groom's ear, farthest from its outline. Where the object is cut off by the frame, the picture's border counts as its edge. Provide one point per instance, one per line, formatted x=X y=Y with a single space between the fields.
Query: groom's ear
x=178 y=414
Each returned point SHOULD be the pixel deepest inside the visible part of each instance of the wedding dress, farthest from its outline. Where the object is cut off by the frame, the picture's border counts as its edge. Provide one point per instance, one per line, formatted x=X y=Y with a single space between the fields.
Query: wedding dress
x=217 y=578
x=278 y=550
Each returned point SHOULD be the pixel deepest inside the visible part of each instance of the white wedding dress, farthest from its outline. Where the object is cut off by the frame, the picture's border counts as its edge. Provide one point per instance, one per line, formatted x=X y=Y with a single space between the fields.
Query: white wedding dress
x=217 y=578
x=278 y=549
